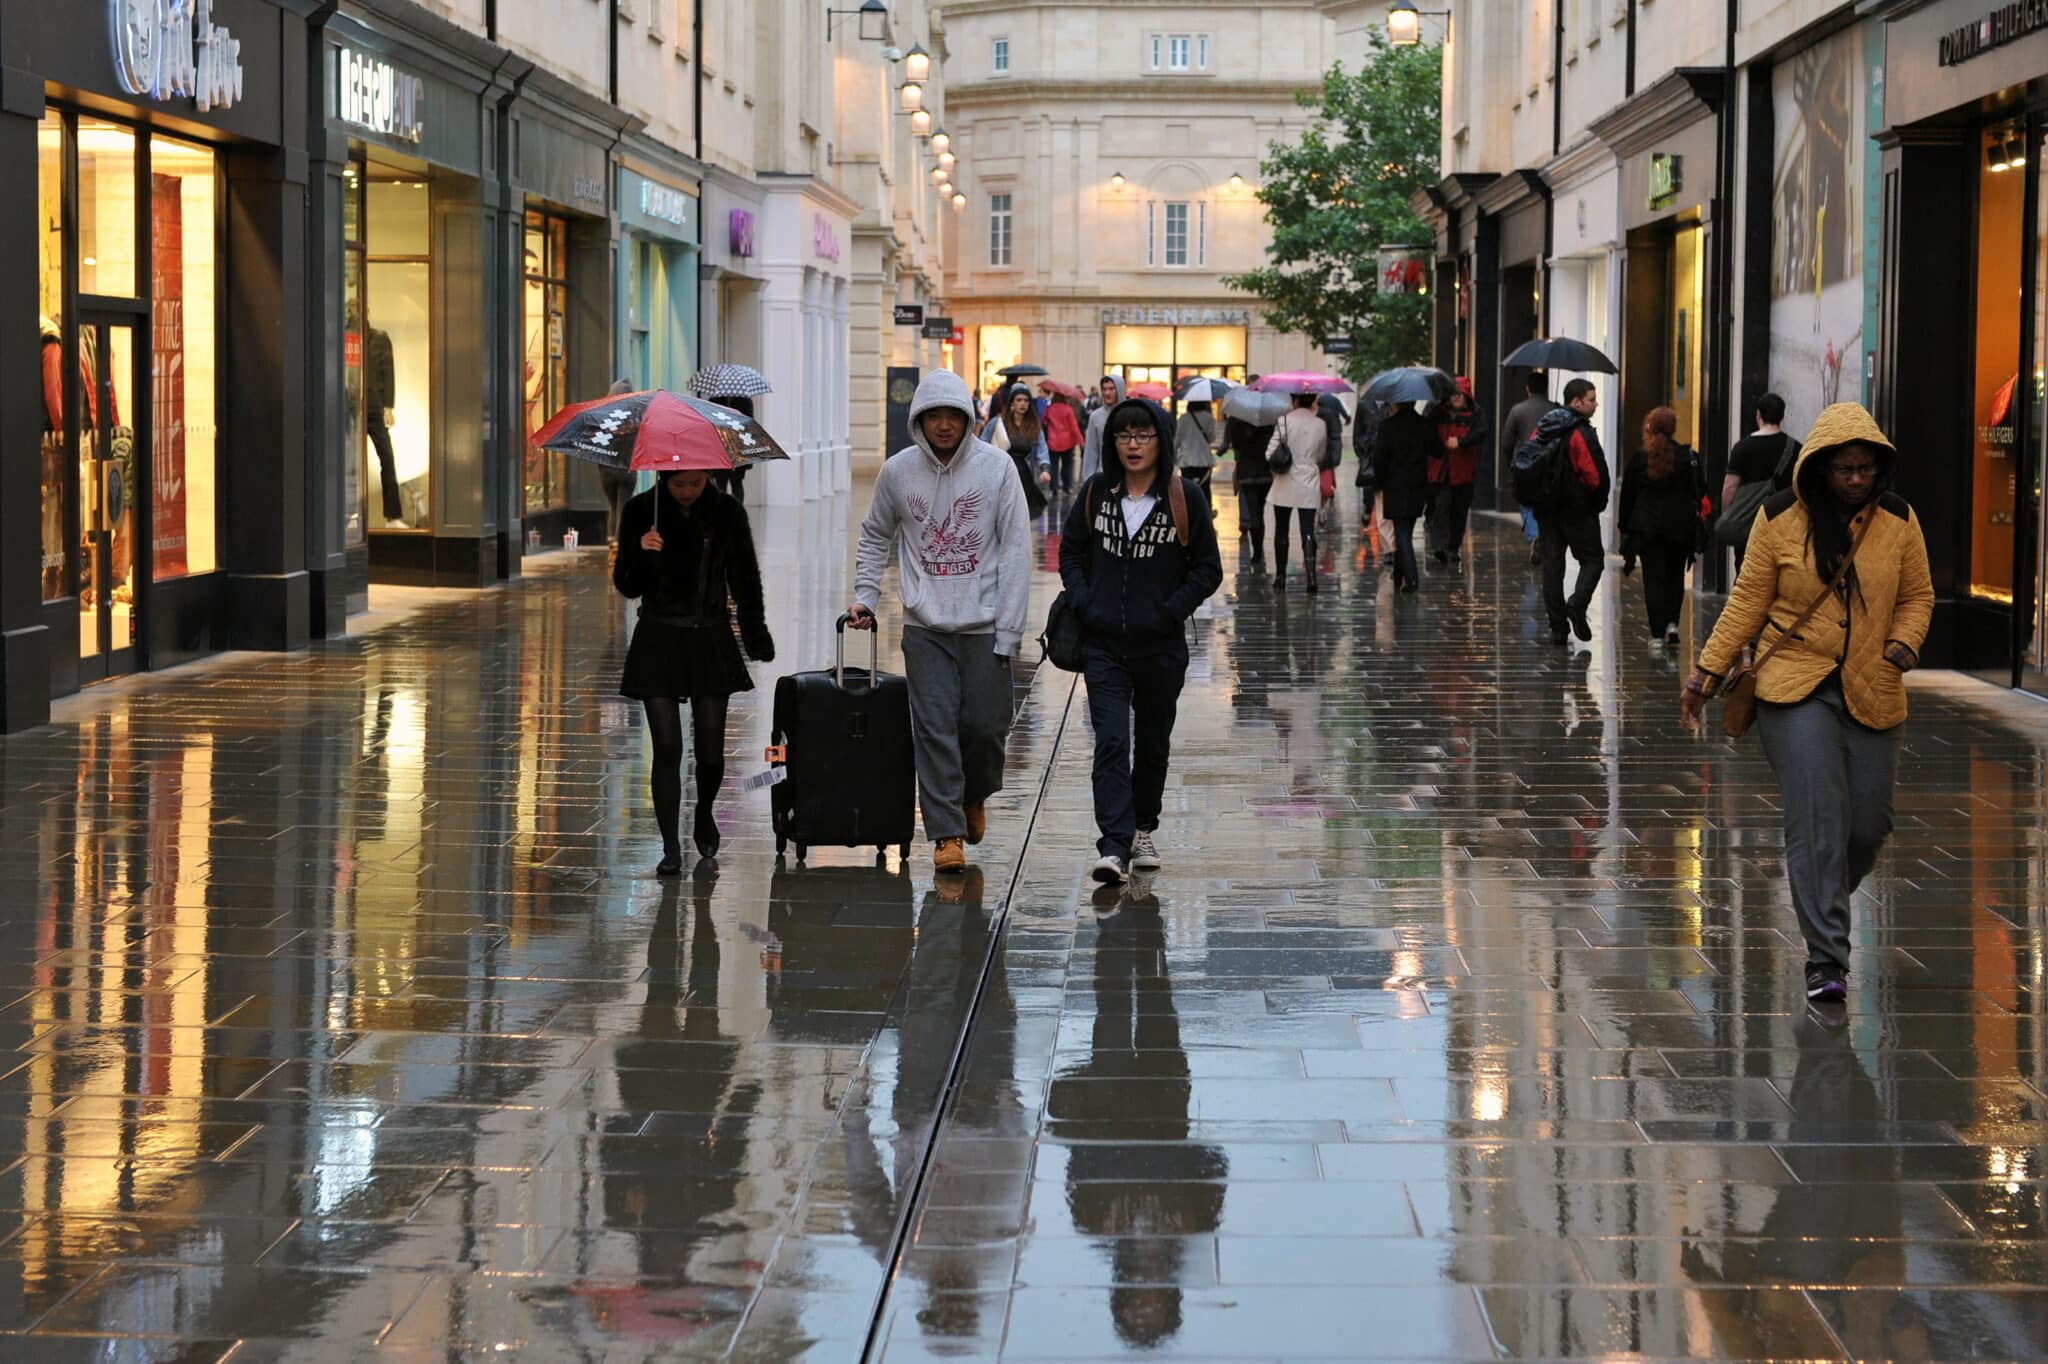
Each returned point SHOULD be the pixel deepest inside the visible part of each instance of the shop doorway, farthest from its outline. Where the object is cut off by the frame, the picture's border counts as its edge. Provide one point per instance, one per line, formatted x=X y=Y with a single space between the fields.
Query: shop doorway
x=109 y=448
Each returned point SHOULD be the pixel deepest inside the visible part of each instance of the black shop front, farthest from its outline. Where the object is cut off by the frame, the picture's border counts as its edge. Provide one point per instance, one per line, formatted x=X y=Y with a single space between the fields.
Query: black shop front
x=1959 y=362
x=151 y=500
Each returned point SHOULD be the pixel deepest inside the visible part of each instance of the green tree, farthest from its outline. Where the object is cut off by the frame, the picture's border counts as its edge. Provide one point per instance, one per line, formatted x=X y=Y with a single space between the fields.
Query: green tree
x=1334 y=197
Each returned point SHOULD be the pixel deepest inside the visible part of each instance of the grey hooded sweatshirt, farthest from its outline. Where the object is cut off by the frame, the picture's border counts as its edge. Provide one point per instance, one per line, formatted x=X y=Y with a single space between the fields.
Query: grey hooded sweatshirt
x=960 y=528
x=1098 y=422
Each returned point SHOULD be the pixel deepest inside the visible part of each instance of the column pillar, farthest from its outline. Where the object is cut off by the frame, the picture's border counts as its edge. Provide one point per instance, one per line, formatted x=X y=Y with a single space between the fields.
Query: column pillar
x=24 y=640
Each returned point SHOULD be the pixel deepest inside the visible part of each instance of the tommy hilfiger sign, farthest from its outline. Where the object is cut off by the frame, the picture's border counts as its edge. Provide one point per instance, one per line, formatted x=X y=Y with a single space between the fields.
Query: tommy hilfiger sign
x=2006 y=24
x=170 y=49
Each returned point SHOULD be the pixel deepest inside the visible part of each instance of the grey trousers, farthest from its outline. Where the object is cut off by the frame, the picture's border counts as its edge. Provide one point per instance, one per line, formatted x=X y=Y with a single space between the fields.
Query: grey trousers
x=960 y=708
x=1837 y=780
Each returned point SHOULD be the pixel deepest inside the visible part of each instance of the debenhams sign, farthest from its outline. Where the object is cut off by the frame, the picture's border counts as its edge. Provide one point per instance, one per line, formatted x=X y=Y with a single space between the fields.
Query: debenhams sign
x=2006 y=24
x=1176 y=317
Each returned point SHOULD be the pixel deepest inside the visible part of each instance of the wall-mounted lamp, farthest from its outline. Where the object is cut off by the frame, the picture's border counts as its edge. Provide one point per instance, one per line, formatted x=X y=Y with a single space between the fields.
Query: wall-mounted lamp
x=947 y=159
x=921 y=123
x=959 y=201
x=917 y=63
x=1404 y=22
x=941 y=140
x=1116 y=180
x=940 y=175
x=873 y=16
x=910 y=97
x=1236 y=181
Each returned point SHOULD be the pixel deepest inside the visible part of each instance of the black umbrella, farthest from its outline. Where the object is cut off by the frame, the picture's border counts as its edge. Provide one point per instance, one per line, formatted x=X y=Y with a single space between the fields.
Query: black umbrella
x=1559 y=352
x=1023 y=371
x=1410 y=384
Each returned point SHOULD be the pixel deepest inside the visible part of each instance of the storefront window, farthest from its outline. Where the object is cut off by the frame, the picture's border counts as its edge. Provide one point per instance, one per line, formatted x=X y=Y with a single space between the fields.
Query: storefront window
x=182 y=295
x=1688 y=338
x=1165 y=355
x=1001 y=347
x=1995 y=407
x=546 y=312
x=2037 y=375
x=50 y=263
x=106 y=209
x=352 y=346
x=396 y=358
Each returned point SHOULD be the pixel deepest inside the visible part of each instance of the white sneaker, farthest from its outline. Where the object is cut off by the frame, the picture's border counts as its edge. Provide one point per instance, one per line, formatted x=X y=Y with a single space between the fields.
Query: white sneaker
x=1144 y=853
x=1110 y=870
x=397 y=523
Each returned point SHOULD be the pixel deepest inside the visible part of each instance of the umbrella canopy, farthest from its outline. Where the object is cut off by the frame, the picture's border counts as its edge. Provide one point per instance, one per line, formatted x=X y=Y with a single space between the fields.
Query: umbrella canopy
x=1197 y=388
x=1409 y=384
x=1023 y=371
x=1559 y=352
x=659 y=431
x=1059 y=389
x=729 y=381
x=1260 y=409
x=1302 y=381
x=1158 y=393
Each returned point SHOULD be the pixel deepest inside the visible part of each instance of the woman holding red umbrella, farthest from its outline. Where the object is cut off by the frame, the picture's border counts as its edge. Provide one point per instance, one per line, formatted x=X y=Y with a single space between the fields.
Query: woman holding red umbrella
x=686 y=552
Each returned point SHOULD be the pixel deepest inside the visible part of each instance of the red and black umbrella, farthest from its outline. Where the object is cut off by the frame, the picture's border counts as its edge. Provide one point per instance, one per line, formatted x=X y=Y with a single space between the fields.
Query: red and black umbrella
x=659 y=432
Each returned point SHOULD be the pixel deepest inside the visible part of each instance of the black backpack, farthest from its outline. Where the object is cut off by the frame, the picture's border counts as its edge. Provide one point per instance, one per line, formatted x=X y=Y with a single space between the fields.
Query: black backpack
x=1542 y=464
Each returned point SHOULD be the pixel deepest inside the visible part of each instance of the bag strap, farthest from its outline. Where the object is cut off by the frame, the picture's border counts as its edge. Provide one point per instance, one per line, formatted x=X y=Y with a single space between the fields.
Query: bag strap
x=1177 y=503
x=1841 y=576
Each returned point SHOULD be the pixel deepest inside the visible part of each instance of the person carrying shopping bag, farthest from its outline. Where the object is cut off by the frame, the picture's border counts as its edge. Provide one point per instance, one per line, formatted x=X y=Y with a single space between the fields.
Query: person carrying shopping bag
x=1137 y=556
x=1836 y=599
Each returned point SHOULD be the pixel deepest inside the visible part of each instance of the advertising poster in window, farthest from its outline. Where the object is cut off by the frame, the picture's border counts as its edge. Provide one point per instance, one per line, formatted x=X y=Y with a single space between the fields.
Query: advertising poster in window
x=167 y=377
x=1817 y=208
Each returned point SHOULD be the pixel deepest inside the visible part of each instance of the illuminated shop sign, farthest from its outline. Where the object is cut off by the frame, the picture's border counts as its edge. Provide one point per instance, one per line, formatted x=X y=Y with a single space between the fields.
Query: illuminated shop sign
x=376 y=95
x=664 y=204
x=171 y=49
x=2006 y=24
x=1176 y=317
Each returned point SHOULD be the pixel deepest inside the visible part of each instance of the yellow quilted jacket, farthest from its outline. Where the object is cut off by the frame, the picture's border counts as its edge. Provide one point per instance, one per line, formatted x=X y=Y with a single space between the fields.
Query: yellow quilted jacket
x=1893 y=600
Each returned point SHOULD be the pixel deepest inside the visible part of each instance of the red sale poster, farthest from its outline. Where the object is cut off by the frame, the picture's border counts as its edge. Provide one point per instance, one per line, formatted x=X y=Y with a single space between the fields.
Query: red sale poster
x=167 y=377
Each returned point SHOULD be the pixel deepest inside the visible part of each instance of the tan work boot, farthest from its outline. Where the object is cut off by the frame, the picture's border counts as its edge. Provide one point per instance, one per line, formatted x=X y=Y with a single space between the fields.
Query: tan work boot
x=949 y=855
x=977 y=823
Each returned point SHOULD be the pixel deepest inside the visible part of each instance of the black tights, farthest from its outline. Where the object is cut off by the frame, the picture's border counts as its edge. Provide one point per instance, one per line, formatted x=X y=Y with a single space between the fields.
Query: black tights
x=665 y=724
x=1308 y=539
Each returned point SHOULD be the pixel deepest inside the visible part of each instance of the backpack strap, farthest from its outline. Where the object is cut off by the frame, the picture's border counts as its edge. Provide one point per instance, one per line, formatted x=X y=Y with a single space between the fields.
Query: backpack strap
x=1177 y=503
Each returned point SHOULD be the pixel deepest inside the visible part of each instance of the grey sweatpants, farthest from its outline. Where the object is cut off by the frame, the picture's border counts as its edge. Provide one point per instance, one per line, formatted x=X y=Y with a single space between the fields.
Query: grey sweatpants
x=960 y=709
x=1837 y=779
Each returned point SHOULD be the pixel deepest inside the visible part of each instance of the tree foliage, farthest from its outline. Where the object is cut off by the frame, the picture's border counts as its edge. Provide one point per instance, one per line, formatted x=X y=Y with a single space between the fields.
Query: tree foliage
x=1339 y=193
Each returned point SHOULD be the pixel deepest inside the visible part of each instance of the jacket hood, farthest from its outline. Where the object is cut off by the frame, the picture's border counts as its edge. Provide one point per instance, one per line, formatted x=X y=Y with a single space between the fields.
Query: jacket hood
x=1163 y=424
x=940 y=388
x=1465 y=386
x=1555 y=421
x=1836 y=426
x=1122 y=390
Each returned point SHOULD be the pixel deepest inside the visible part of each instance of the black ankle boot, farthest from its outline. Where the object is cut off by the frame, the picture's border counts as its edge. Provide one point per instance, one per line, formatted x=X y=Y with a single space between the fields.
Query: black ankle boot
x=705 y=832
x=671 y=863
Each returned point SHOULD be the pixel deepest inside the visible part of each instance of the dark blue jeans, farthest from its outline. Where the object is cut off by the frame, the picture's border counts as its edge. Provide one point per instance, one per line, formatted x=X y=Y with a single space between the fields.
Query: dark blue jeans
x=1131 y=706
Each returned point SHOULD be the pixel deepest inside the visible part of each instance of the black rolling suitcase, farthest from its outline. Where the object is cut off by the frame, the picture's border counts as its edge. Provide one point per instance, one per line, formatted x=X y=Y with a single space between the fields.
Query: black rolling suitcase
x=843 y=735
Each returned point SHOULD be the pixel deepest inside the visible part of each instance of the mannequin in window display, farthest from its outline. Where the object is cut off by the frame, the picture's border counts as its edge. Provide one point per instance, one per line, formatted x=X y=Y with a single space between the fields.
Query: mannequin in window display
x=382 y=380
x=53 y=460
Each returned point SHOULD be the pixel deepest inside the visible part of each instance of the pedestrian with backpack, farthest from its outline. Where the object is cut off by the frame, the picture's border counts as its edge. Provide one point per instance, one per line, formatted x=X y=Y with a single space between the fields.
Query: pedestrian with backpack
x=1759 y=466
x=1137 y=556
x=1661 y=492
x=1562 y=473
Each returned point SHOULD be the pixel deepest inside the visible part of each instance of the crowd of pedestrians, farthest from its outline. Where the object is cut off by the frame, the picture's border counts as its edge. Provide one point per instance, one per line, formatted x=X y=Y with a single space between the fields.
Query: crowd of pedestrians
x=1830 y=606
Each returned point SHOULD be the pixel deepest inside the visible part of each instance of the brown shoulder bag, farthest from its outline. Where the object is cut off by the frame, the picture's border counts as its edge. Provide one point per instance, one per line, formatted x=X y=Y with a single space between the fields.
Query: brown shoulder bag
x=1738 y=693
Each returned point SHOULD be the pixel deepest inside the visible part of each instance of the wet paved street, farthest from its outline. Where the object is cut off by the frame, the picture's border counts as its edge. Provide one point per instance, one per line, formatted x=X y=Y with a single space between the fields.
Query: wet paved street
x=1465 y=1019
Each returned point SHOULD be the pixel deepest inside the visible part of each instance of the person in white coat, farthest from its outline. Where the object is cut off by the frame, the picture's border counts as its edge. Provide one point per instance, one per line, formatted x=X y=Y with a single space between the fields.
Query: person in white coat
x=1299 y=490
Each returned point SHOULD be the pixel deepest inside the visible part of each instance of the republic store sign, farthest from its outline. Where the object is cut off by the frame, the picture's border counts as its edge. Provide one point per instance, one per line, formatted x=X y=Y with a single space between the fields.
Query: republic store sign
x=172 y=49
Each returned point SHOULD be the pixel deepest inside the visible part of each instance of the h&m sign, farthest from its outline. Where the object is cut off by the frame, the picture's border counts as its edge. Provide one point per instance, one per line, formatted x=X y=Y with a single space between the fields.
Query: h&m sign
x=1176 y=317
x=171 y=49
x=1667 y=178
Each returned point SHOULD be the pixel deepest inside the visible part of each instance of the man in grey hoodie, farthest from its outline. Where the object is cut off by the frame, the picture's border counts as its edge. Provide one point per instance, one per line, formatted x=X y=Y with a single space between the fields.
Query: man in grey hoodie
x=1113 y=392
x=952 y=508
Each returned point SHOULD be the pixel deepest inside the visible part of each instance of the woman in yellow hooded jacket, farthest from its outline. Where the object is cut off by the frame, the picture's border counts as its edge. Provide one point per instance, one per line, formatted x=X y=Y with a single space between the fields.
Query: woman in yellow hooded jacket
x=1831 y=701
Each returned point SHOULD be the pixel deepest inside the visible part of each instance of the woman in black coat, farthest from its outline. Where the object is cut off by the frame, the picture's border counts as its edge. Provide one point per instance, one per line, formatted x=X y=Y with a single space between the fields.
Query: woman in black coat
x=1661 y=491
x=1253 y=479
x=687 y=552
x=1406 y=443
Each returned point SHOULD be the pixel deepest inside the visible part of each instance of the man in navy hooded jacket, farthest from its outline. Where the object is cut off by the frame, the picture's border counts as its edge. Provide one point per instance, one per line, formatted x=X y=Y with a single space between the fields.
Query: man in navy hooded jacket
x=1137 y=556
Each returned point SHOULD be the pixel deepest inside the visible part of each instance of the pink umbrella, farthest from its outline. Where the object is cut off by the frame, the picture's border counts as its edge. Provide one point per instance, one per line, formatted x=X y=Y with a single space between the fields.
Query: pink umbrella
x=1158 y=393
x=1301 y=381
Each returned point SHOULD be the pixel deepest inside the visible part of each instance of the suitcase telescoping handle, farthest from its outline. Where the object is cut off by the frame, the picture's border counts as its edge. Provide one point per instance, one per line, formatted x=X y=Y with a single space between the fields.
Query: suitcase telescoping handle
x=874 y=652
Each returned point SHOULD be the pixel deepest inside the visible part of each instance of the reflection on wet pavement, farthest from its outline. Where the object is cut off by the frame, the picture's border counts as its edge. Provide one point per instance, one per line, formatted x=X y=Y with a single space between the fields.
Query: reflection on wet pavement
x=1464 y=1020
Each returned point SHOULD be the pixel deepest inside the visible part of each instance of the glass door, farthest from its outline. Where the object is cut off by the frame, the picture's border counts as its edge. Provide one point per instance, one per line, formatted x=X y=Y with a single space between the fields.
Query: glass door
x=2032 y=619
x=108 y=453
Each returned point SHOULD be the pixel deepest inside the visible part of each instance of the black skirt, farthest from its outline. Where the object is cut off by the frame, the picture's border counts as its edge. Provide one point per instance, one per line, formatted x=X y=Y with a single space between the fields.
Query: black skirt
x=683 y=662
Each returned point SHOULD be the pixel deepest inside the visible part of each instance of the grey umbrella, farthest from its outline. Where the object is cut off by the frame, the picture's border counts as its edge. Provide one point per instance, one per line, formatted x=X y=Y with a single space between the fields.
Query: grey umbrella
x=1250 y=405
x=1409 y=384
x=1559 y=352
x=1023 y=371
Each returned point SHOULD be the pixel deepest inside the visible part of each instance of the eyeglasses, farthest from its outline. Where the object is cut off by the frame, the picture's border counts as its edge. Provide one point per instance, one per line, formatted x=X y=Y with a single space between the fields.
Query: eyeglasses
x=1136 y=437
x=1848 y=472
